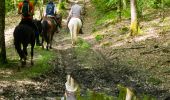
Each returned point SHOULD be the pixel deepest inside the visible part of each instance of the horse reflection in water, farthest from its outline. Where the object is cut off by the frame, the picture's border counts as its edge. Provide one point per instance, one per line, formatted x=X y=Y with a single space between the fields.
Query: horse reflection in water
x=49 y=27
x=74 y=26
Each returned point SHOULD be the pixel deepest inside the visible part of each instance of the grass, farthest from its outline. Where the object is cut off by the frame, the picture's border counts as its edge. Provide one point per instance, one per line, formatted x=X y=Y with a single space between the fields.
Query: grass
x=154 y=81
x=107 y=17
x=41 y=64
x=82 y=44
x=99 y=37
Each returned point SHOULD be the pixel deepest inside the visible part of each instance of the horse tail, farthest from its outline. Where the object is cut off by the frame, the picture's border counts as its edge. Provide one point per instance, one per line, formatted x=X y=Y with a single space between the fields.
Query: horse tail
x=45 y=29
x=17 y=42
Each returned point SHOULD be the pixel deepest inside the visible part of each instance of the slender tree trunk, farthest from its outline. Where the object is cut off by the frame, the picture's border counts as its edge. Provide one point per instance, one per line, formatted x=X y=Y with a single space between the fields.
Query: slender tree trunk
x=67 y=1
x=163 y=10
x=2 y=35
x=124 y=4
x=120 y=10
x=134 y=21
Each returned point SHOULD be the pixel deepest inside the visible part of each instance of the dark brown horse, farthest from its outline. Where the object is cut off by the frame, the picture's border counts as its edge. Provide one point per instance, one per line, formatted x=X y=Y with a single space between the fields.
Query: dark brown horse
x=49 y=27
x=24 y=35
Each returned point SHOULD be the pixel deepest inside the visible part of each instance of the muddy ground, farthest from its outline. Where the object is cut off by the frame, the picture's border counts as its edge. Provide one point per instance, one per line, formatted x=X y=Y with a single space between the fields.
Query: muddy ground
x=142 y=62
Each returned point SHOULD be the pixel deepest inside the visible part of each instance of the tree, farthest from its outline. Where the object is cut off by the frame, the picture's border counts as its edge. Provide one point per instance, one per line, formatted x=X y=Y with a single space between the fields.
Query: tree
x=134 y=27
x=124 y=4
x=2 y=35
x=119 y=10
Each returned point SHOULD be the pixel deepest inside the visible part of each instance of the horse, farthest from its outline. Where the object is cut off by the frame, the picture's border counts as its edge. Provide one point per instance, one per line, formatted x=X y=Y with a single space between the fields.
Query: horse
x=74 y=26
x=39 y=27
x=24 y=35
x=49 y=27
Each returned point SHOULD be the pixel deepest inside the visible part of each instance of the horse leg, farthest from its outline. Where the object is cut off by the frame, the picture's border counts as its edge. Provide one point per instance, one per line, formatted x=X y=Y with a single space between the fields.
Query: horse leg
x=42 y=42
x=48 y=42
x=51 y=39
x=25 y=54
x=71 y=33
x=25 y=49
x=75 y=29
x=20 y=52
x=32 y=53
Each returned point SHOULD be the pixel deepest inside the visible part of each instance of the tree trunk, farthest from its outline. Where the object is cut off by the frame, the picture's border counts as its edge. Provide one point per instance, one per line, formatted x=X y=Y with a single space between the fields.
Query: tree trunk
x=124 y=4
x=67 y=1
x=120 y=10
x=134 y=21
x=163 y=10
x=2 y=35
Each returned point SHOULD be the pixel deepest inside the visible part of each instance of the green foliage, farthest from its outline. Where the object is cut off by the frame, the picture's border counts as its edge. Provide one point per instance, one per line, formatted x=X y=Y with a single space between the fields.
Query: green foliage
x=98 y=37
x=61 y=5
x=154 y=81
x=167 y=3
x=104 y=5
x=107 y=17
x=91 y=95
x=126 y=13
x=9 y=5
x=122 y=92
x=82 y=44
x=154 y=4
x=140 y=5
x=147 y=97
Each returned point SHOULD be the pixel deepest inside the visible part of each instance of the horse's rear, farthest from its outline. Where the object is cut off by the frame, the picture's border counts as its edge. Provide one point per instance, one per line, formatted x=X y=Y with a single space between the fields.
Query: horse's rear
x=49 y=27
x=74 y=26
x=24 y=35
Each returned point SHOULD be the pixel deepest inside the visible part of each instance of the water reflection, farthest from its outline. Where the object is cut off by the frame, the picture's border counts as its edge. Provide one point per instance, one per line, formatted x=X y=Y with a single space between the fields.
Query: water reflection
x=71 y=87
x=73 y=92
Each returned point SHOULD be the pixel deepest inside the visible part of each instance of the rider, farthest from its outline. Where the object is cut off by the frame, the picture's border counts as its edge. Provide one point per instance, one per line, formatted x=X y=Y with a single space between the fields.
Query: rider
x=51 y=10
x=76 y=11
x=26 y=9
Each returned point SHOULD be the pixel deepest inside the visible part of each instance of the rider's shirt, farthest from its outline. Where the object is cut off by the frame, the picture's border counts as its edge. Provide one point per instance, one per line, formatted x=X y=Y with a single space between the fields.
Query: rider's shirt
x=31 y=10
x=75 y=11
x=50 y=9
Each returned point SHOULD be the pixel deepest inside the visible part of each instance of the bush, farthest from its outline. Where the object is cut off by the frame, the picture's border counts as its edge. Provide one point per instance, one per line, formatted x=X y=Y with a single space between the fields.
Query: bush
x=104 y=5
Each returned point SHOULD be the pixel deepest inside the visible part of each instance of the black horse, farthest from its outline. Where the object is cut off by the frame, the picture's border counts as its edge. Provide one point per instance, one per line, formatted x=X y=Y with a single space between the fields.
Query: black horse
x=25 y=34
x=49 y=27
x=39 y=33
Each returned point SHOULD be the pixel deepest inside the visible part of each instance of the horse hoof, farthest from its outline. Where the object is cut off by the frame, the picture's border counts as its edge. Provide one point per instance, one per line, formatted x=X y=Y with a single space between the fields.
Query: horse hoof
x=19 y=69
x=32 y=63
x=47 y=47
x=23 y=63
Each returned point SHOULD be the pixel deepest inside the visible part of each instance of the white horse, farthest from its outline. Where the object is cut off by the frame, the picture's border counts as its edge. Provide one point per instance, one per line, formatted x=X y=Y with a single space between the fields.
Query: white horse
x=74 y=26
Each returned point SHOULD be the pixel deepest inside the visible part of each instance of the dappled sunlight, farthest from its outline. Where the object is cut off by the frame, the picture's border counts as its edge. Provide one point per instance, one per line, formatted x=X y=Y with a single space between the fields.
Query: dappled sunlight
x=9 y=36
x=27 y=81
x=63 y=46
x=4 y=73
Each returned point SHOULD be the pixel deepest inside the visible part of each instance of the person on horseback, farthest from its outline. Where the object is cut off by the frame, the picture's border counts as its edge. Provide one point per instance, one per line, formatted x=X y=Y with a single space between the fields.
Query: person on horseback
x=51 y=10
x=76 y=11
x=26 y=9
